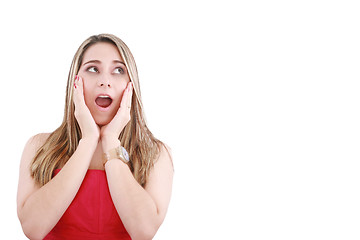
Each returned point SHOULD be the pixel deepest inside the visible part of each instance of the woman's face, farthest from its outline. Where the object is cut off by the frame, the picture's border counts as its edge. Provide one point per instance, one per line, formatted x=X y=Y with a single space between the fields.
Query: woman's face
x=105 y=78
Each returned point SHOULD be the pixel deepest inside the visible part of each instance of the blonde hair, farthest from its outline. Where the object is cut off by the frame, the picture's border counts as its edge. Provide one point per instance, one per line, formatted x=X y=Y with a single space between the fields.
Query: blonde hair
x=142 y=146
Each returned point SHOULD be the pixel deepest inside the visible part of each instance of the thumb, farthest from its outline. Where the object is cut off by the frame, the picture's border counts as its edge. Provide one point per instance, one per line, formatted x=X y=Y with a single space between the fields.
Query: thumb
x=78 y=91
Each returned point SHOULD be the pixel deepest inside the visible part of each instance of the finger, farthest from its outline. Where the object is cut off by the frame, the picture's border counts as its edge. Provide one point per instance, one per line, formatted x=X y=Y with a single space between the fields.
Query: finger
x=123 y=103
x=76 y=92
x=80 y=85
x=129 y=96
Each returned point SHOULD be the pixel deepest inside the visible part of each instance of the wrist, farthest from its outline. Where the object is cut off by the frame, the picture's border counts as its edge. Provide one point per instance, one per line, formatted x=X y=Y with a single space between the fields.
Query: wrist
x=91 y=137
x=109 y=143
x=89 y=140
x=90 y=143
x=118 y=152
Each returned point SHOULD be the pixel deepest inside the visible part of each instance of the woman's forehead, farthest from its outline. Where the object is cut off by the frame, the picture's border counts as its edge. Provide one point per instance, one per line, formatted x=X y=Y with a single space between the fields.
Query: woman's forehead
x=102 y=51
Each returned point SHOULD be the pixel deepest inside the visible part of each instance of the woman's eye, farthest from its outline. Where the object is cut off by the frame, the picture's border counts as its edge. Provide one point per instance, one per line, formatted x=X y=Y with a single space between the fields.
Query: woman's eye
x=119 y=70
x=92 y=69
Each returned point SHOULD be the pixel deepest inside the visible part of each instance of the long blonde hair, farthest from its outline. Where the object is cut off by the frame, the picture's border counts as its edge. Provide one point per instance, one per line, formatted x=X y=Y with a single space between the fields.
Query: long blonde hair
x=142 y=146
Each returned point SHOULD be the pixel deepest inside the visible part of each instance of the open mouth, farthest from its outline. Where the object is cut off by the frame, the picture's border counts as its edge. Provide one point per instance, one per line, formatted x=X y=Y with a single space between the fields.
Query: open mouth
x=103 y=101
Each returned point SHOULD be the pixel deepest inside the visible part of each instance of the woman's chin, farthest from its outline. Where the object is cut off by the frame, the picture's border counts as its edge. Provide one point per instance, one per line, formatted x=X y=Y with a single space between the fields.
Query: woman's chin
x=102 y=122
x=102 y=119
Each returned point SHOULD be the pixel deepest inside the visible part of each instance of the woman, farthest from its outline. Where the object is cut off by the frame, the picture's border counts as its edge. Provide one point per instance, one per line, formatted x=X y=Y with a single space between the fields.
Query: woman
x=101 y=174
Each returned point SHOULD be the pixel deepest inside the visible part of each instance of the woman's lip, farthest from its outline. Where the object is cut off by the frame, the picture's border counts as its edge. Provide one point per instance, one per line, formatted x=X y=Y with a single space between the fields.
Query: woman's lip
x=103 y=94
x=102 y=109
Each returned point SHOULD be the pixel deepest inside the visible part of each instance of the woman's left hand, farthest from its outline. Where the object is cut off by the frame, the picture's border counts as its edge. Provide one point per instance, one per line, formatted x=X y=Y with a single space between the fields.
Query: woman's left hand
x=111 y=131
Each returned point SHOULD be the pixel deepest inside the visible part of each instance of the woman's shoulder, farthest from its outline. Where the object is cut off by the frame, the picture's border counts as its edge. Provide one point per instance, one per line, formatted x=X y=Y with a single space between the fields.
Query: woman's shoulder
x=37 y=140
x=165 y=149
x=31 y=147
x=165 y=153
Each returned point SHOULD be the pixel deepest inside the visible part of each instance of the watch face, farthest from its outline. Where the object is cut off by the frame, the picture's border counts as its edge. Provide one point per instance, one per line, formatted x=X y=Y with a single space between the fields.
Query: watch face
x=125 y=153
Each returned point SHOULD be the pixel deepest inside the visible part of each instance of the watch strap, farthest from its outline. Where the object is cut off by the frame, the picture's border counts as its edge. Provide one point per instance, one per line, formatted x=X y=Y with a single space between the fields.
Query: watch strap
x=115 y=153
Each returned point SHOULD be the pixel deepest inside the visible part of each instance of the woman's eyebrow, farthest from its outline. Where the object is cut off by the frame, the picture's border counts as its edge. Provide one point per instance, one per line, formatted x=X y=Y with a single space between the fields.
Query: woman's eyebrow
x=98 y=61
x=92 y=61
x=118 y=61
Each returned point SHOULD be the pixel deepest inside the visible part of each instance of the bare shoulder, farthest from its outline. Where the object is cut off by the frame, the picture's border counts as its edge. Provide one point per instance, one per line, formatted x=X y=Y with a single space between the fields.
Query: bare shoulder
x=38 y=140
x=165 y=154
x=31 y=147
x=163 y=169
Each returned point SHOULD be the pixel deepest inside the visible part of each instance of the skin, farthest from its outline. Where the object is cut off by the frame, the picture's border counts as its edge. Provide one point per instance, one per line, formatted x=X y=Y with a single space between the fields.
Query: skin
x=103 y=71
x=142 y=210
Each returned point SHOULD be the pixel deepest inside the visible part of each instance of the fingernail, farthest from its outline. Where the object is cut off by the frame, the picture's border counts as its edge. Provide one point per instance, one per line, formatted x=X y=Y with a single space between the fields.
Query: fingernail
x=74 y=85
x=76 y=77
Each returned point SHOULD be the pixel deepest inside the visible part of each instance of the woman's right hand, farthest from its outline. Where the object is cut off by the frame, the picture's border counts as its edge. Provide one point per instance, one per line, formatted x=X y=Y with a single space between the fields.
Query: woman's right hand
x=89 y=129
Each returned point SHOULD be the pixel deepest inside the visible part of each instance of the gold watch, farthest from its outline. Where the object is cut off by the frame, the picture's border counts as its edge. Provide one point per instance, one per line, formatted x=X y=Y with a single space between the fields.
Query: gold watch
x=119 y=152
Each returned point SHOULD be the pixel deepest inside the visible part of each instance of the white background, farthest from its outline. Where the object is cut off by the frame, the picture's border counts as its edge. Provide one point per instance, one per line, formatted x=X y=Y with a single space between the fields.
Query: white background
x=259 y=101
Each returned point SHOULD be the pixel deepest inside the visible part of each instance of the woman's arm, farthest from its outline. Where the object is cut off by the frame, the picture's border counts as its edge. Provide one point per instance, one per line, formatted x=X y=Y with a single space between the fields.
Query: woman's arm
x=40 y=208
x=141 y=210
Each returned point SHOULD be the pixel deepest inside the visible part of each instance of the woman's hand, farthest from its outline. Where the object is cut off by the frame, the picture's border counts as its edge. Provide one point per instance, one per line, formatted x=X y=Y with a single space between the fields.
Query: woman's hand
x=88 y=127
x=110 y=132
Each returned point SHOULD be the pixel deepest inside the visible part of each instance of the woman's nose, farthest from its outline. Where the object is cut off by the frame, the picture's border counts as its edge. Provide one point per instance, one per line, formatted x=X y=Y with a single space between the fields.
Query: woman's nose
x=104 y=81
x=102 y=84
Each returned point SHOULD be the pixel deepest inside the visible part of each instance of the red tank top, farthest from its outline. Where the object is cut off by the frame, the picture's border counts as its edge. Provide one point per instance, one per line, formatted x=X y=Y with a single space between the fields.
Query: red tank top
x=92 y=214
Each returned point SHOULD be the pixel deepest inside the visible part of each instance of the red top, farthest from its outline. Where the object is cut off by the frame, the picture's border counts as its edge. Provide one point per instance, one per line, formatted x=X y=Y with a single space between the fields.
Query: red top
x=92 y=214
